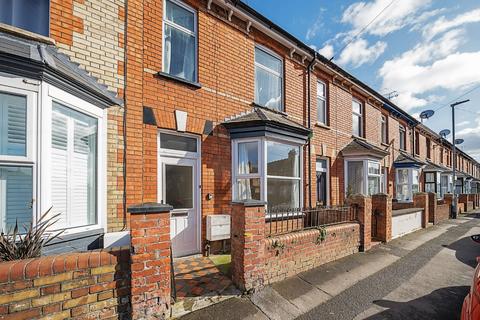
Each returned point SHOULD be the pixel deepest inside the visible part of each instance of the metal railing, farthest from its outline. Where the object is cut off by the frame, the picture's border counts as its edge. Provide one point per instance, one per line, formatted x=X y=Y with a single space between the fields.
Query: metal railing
x=287 y=220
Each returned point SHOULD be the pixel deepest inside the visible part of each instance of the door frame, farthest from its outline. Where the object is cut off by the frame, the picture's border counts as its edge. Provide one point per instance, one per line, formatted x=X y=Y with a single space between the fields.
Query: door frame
x=196 y=156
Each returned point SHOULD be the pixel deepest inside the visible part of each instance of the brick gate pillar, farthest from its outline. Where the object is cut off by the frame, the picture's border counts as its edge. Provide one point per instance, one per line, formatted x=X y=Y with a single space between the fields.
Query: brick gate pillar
x=448 y=197
x=420 y=200
x=247 y=244
x=363 y=205
x=382 y=209
x=150 y=255
x=432 y=207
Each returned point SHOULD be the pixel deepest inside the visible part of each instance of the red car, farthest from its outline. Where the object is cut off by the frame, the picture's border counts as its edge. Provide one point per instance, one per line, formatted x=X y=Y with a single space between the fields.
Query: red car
x=471 y=304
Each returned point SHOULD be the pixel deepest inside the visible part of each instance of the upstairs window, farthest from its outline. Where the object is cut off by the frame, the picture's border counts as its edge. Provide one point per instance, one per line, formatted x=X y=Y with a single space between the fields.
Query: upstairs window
x=417 y=143
x=402 y=137
x=384 y=129
x=268 y=80
x=428 y=148
x=30 y=15
x=357 y=118
x=180 y=40
x=321 y=103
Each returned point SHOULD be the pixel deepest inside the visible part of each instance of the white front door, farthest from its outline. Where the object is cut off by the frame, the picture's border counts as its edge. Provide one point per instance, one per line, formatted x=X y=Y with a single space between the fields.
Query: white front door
x=179 y=188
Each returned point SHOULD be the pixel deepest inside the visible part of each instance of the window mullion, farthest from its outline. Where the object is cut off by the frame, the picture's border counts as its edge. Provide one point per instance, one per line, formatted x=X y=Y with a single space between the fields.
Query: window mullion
x=70 y=152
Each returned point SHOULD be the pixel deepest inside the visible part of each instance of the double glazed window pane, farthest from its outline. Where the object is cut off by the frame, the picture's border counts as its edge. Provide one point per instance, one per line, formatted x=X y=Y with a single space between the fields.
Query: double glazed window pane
x=356 y=125
x=16 y=193
x=283 y=193
x=355 y=177
x=179 y=186
x=248 y=158
x=180 y=143
x=74 y=167
x=13 y=125
x=179 y=60
x=180 y=15
x=402 y=176
x=248 y=189
x=268 y=80
x=283 y=160
x=321 y=111
x=31 y=15
x=373 y=185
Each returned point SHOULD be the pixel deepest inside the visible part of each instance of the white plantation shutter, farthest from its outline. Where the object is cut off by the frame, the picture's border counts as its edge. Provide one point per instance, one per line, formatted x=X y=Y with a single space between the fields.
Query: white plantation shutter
x=15 y=197
x=73 y=167
x=13 y=117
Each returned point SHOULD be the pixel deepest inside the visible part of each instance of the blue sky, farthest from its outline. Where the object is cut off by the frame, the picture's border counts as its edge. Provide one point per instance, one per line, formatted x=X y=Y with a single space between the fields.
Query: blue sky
x=428 y=51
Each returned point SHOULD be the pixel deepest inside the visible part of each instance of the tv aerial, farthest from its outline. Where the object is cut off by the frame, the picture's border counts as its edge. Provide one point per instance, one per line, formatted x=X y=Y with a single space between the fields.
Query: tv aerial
x=426 y=114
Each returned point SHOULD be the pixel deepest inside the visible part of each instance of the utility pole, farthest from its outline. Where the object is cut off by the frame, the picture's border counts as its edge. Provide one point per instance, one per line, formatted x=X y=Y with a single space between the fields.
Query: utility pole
x=455 y=200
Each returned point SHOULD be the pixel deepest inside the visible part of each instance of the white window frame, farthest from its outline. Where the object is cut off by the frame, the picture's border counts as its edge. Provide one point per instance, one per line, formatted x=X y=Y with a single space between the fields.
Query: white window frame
x=327 y=171
x=324 y=99
x=165 y=22
x=366 y=174
x=49 y=95
x=360 y=118
x=281 y=74
x=384 y=129
x=402 y=143
x=262 y=166
x=16 y=86
x=409 y=183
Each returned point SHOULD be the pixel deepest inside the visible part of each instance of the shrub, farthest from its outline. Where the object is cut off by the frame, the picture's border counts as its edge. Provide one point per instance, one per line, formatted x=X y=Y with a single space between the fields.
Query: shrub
x=16 y=246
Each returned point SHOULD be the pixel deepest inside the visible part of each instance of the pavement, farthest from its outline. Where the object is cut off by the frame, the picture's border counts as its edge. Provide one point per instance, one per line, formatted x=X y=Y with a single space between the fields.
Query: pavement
x=423 y=275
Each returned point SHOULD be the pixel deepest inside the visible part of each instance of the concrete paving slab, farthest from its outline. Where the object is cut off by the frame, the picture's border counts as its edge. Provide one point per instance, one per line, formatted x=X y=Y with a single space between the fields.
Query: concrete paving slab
x=234 y=309
x=274 y=305
x=336 y=277
x=300 y=293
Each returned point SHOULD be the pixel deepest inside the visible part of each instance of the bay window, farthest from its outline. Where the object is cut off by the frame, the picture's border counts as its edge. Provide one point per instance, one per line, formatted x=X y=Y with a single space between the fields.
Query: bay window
x=268 y=79
x=180 y=40
x=60 y=150
x=363 y=177
x=321 y=103
x=445 y=184
x=433 y=183
x=407 y=183
x=267 y=170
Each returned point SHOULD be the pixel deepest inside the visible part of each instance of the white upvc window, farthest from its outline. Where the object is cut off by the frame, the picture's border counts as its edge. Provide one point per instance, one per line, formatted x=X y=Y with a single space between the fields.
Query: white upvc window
x=357 y=118
x=268 y=79
x=363 y=176
x=384 y=129
x=179 y=40
x=445 y=184
x=17 y=154
x=268 y=170
x=322 y=115
x=433 y=183
x=407 y=183
x=402 y=137
x=58 y=146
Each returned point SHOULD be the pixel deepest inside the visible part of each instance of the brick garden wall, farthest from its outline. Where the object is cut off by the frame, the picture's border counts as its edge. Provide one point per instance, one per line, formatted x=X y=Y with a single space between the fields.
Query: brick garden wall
x=289 y=254
x=442 y=213
x=90 y=285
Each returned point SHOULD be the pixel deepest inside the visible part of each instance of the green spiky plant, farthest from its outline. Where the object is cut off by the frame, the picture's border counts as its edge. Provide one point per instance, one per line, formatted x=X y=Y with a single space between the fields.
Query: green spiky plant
x=16 y=246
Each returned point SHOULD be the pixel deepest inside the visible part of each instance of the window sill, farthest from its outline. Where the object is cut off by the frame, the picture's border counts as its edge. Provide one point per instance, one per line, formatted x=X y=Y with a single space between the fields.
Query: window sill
x=358 y=137
x=282 y=112
x=194 y=85
x=26 y=34
x=324 y=126
x=385 y=144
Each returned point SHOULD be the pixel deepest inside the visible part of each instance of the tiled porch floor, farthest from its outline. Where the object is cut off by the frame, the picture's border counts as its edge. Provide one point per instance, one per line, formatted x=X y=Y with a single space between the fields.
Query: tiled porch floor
x=198 y=276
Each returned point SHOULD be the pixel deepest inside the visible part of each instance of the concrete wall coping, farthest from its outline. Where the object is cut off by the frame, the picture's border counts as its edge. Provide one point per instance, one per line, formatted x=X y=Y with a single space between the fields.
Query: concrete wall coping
x=149 y=207
x=250 y=203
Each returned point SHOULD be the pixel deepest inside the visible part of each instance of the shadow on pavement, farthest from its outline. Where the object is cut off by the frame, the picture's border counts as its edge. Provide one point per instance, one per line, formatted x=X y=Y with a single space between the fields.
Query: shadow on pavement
x=443 y=303
x=466 y=251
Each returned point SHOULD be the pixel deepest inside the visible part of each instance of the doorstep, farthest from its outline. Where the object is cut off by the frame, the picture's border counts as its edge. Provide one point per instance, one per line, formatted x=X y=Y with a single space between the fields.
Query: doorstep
x=201 y=282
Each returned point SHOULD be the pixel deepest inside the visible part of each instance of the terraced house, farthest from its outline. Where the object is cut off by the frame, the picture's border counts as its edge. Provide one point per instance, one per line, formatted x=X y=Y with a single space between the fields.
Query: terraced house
x=203 y=108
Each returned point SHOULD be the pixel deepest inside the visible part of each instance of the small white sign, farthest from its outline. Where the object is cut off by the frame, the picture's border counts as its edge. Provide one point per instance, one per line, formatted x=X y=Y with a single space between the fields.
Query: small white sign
x=181 y=118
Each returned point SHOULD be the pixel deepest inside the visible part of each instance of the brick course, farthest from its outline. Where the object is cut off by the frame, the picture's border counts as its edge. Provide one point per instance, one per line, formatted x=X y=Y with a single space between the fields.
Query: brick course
x=90 y=285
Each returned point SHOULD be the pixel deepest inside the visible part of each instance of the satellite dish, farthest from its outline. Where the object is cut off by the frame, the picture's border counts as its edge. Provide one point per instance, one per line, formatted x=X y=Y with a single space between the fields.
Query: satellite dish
x=426 y=114
x=444 y=133
x=459 y=141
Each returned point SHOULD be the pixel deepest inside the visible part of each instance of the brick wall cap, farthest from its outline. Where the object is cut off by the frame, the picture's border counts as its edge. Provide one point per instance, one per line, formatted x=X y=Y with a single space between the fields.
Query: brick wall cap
x=420 y=193
x=149 y=207
x=250 y=203
x=382 y=195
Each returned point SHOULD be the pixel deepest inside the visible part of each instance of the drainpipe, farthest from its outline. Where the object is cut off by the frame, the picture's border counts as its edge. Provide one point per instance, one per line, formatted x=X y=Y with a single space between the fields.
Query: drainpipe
x=309 y=150
x=125 y=60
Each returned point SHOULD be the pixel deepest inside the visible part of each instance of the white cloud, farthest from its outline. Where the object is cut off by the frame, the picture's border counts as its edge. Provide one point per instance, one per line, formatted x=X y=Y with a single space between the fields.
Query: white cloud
x=327 y=51
x=429 y=66
x=471 y=135
x=463 y=123
x=358 y=52
x=395 y=17
x=313 y=29
x=442 y=24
